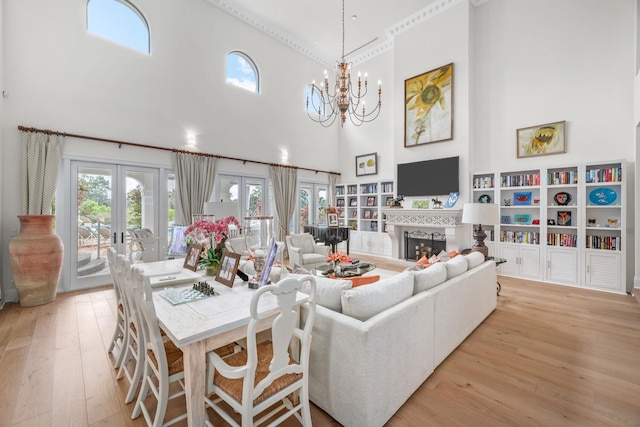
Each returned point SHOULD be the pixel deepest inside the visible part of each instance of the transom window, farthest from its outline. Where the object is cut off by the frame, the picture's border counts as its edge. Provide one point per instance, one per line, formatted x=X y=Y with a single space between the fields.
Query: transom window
x=120 y=22
x=242 y=72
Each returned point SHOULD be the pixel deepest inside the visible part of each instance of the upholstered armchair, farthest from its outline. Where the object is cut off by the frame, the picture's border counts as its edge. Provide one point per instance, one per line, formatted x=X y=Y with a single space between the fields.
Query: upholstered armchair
x=304 y=252
x=237 y=245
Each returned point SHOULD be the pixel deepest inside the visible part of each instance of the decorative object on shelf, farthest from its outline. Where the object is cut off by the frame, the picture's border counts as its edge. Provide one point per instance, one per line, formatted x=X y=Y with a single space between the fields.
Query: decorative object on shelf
x=522 y=219
x=344 y=100
x=562 y=198
x=258 y=233
x=228 y=268
x=332 y=219
x=397 y=200
x=507 y=202
x=371 y=201
x=367 y=214
x=340 y=203
x=353 y=202
x=437 y=204
x=536 y=201
x=602 y=196
x=564 y=218
x=613 y=222
x=541 y=140
x=388 y=201
x=522 y=198
x=192 y=259
x=535 y=222
x=36 y=255
x=485 y=198
x=428 y=112
x=452 y=200
x=505 y=219
x=480 y=213
x=591 y=222
x=551 y=222
x=367 y=164
x=420 y=204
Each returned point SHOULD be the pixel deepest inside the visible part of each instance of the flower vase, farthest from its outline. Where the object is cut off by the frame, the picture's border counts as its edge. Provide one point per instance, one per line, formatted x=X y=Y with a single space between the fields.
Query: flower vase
x=36 y=260
x=337 y=268
x=211 y=270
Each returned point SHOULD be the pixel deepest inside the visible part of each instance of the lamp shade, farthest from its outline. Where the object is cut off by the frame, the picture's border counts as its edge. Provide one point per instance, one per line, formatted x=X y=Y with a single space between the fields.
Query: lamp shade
x=222 y=209
x=480 y=213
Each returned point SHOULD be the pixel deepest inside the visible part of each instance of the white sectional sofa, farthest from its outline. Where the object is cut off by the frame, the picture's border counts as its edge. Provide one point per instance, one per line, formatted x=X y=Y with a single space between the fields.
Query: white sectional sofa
x=374 y=345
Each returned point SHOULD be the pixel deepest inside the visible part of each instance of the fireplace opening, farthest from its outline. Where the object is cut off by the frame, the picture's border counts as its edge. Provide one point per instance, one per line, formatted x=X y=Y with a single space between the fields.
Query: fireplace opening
x=420 y=243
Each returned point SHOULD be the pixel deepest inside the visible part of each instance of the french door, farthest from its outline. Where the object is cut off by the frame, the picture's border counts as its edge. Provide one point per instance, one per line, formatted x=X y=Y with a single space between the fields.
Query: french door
x=312 y=204
x=106 y=203
x=249 y=192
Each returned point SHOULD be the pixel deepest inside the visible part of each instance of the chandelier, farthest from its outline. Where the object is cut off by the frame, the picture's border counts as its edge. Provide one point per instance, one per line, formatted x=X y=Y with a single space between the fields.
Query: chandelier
x=323 y=106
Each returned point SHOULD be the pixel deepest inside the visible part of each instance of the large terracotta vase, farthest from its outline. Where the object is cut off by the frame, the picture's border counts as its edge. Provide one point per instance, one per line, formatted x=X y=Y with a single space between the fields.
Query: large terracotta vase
x=36 y=260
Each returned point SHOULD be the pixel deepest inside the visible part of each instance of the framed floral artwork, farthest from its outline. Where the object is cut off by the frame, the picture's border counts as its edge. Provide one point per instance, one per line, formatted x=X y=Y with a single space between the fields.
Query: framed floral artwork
x=541 y=140
x=428 y=107
x=367 y=164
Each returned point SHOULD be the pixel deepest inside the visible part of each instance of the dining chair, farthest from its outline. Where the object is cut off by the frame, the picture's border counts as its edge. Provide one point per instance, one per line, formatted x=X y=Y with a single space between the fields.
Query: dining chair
x=270 y=372
x=162 y=360
x=131 y=366
x=120 y=335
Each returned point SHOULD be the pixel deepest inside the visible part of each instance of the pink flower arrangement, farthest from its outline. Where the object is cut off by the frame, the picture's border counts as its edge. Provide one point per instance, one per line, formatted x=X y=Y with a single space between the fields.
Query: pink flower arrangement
x=204 y=230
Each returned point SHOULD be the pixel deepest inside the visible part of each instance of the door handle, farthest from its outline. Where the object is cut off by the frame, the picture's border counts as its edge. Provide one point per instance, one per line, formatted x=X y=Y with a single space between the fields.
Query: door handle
x=115 y=238
x=122 y=238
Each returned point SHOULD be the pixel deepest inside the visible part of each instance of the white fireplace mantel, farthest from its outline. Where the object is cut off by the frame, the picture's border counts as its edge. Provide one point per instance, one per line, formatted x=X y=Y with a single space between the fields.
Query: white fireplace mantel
x=399 y=220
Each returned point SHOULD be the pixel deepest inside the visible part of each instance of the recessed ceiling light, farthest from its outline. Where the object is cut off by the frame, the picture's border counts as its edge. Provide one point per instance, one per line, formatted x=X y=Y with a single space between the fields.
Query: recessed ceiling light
x=354 y=17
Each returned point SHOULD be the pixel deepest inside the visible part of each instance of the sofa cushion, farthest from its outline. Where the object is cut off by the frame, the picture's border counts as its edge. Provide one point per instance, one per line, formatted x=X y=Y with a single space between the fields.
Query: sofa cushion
x=302 y=241
x=329 y=292
x=456 y=266
x=311 y=258
x=366 y=301
x=429 y=277
x=474 y=259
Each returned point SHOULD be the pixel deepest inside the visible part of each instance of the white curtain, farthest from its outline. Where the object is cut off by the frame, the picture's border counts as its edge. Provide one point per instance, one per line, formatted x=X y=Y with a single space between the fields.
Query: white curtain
x=40 y=155
x=284 y=181
x=194 y=184
x=333 y=180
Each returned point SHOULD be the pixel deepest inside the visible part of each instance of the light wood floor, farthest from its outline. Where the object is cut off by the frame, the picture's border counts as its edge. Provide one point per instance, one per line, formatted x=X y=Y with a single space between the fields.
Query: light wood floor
x=548 y=356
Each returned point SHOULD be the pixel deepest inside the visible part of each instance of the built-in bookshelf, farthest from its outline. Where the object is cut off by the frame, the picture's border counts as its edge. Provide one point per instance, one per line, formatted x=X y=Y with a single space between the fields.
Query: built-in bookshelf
x=561 y=224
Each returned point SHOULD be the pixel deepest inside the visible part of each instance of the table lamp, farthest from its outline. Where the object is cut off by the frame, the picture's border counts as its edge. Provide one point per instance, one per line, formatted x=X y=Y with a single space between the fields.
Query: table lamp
x=480 y=213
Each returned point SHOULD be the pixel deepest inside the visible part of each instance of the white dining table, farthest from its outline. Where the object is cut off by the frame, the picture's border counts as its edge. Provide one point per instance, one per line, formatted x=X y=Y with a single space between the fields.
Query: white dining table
x=201 y=326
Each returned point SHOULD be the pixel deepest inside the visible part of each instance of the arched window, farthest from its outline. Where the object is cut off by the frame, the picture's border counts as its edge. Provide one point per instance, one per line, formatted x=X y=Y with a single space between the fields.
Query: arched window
x=242 y=72
x=120 y=22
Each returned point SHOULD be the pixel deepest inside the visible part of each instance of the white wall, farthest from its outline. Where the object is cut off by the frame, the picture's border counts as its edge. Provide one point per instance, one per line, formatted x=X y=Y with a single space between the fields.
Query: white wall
x=62 y=78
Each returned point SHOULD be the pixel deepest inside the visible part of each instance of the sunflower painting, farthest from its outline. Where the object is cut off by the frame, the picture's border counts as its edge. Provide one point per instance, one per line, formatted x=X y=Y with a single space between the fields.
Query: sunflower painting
x=541 y=140
x=428 y=112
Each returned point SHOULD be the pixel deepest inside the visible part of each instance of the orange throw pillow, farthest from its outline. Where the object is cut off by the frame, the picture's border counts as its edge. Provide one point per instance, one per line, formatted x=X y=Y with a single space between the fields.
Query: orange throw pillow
x=363 y=280
x=424 y=260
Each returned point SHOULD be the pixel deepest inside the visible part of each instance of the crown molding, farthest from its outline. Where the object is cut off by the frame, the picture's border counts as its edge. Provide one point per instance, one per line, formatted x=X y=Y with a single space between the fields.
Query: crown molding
x=282 y=36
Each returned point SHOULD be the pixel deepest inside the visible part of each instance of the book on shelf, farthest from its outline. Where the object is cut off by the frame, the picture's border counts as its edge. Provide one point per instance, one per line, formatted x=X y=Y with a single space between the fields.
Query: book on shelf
x=562 y=177
x=613 y=174
x=483 y=182
x=612 y=243
x=521 y=180
x=559 y=239
x=528 y=237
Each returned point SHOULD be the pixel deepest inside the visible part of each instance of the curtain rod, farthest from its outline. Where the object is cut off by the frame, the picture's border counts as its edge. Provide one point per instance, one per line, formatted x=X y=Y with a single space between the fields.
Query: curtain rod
x=174 y=150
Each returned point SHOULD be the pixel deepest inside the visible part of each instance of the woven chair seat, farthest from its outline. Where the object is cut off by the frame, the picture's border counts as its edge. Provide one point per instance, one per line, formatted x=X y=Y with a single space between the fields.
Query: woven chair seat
x=233 y=387
x=175 y=362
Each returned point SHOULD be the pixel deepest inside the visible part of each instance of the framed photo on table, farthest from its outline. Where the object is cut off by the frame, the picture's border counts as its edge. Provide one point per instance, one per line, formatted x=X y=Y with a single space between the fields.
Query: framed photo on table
x=332 y=220
x=192 y=259
x=228 y=268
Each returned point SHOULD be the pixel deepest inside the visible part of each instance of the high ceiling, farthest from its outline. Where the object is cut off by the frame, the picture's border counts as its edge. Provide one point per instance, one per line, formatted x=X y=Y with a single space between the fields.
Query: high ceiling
x=315 y=28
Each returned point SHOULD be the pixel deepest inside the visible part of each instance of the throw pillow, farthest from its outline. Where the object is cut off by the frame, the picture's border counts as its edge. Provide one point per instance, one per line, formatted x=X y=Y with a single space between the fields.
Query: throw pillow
x=363 y=280
x=456 y=266
x=329 y=292
x=423 y=261
x=429 y=278
x=367 y=301
x=474 y=259
x=298 y=269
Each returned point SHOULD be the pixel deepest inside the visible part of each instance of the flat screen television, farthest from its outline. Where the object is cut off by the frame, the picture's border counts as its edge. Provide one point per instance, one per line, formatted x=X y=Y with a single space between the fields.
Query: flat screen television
x=437 y=177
